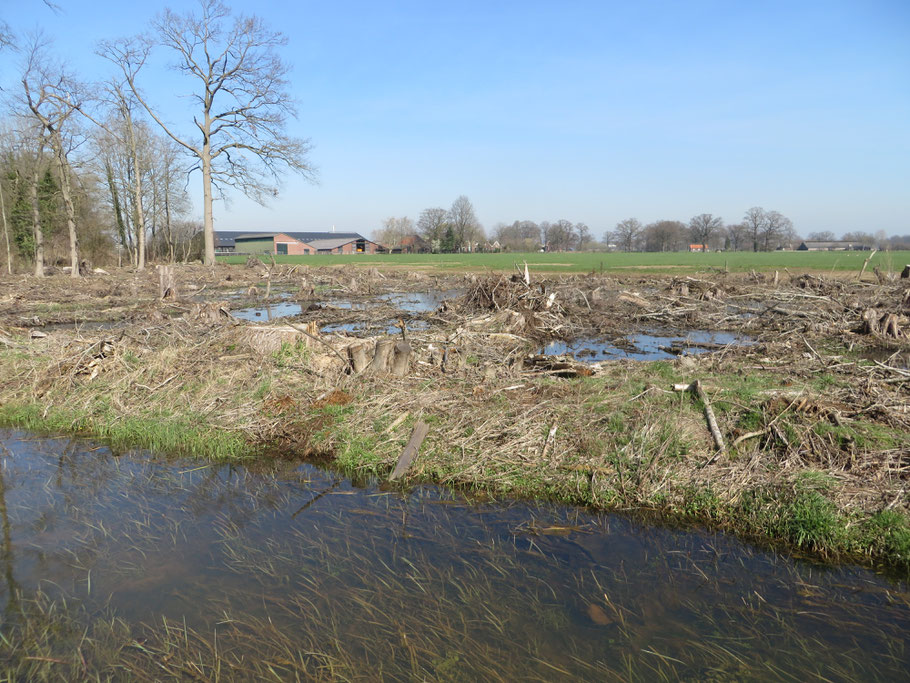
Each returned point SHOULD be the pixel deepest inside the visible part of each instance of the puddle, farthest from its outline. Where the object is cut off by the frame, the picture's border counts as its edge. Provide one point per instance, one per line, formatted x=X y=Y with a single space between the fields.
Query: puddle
x=420 y=302
x=407 y=302
x=283 y=309
x=373 y=328
x=645 y=347
x=277 y=558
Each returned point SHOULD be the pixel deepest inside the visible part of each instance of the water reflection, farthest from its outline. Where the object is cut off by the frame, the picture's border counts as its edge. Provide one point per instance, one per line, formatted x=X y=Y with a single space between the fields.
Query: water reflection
x=289 y=566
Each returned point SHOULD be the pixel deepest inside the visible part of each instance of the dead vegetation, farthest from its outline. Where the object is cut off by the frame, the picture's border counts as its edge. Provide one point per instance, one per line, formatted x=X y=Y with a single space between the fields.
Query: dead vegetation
x=818 y=381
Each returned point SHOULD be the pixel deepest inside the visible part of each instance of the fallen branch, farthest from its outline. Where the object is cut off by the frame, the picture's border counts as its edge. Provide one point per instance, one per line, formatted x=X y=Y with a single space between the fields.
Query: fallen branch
x=409 y=454
x=697 y=389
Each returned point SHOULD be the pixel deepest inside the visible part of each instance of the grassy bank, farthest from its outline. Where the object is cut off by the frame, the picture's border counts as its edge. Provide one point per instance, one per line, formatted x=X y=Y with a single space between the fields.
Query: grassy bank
x=623 y=441
x=676 y=262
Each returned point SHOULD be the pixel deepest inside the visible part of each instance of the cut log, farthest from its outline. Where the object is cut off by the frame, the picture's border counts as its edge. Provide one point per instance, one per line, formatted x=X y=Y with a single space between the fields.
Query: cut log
x=401 y=359
x=409 y=454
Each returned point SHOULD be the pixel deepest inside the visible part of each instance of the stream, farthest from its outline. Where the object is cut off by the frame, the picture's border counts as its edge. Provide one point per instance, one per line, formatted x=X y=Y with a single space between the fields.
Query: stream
x=286 y=566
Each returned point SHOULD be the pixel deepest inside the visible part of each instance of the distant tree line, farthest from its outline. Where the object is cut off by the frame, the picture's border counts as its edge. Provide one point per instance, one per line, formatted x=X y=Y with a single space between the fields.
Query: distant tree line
x=455 y=229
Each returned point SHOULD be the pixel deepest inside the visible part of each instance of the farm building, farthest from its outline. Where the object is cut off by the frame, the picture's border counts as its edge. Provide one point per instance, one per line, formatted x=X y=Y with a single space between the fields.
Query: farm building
x=294 y=243
x=831 y=245
x=698 y=247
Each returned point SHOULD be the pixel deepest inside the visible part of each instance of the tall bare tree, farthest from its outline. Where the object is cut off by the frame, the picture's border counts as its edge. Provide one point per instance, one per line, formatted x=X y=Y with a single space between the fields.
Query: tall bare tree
x=53 y=97
x=778 y=228
x=432 y=225
x=465 y=226
x=626 y=233
x=394 y=230
x=704 y=226
x=755 y=221
x=664 y=235
x=241 y=100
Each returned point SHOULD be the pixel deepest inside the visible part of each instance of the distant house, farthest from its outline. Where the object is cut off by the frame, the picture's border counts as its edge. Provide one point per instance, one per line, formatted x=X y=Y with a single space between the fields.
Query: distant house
x=698 y=247
x=831 y=245
x=414 y=244
x=293 y=243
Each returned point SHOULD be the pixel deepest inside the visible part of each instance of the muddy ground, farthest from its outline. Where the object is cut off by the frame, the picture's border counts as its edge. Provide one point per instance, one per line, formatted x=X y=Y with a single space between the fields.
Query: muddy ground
x=579 y=387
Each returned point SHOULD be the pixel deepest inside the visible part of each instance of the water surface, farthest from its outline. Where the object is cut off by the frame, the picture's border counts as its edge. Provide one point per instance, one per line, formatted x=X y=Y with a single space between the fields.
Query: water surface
x=285 y=567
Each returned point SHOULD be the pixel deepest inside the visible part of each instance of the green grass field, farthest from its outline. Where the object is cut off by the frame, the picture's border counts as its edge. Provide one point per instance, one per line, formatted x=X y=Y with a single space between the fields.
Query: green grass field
x=618 y=262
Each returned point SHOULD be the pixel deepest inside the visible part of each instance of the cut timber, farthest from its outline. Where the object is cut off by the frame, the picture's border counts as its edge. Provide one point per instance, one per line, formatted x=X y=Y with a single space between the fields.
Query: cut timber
x=697 y=389
x=383 y=355
x=409 y=453
x=401 y=359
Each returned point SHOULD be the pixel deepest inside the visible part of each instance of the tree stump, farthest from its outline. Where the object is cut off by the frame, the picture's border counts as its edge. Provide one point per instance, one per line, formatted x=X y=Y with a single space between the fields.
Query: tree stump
x=167 y=289
x=383 y=355
x=359 y=359
x=401 y=359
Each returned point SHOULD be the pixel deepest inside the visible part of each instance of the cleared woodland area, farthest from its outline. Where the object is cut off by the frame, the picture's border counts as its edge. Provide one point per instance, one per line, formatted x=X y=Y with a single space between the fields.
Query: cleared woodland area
x=792 y=429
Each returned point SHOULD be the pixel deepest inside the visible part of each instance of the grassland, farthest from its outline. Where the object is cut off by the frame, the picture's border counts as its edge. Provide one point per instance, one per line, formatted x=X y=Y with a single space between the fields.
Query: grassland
x=586 y=262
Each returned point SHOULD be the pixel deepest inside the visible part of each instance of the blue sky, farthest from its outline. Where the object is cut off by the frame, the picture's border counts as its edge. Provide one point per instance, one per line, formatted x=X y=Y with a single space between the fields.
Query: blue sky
x=590 y=111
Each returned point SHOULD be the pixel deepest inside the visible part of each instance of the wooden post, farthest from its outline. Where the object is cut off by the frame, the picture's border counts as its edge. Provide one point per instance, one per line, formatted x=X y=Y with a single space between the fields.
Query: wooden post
x=401 y=359
x=383 y=355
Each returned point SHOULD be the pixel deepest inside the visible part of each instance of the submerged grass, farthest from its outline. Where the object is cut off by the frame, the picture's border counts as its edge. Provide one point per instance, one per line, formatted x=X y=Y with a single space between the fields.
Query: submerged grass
x=163 y=433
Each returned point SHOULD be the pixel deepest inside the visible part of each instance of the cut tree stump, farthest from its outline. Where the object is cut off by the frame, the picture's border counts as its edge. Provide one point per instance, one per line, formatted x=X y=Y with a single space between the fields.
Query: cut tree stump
x=401 y=359
x=383 y=355
x=359 y=358
x=167 y=289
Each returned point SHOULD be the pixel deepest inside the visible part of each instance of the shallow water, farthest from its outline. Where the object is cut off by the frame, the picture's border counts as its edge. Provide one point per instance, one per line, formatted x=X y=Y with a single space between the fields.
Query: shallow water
x=643 y=347
x=284 y=558
x=407 y=302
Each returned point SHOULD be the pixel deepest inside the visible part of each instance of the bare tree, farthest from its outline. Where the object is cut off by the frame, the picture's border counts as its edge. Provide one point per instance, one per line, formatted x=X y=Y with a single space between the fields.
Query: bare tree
x=53 y=96
x=519 y=236
x=664 y=236
x=777 y=228
x=241 y=100
x=626 y=233
x=394 y=230
x=583 y=236
x=739 y=236
x=755 y=221
x=432 y=225
x=465 y=226
x=703 y=227
x=822 y=236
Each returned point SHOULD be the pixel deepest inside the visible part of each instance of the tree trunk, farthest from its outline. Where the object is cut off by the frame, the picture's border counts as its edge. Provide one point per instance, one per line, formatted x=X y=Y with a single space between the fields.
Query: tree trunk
x=137 y=191
x=207 y=222
x=36 y=225
x=66 y=191
x=9 y=258
x=115 y=200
